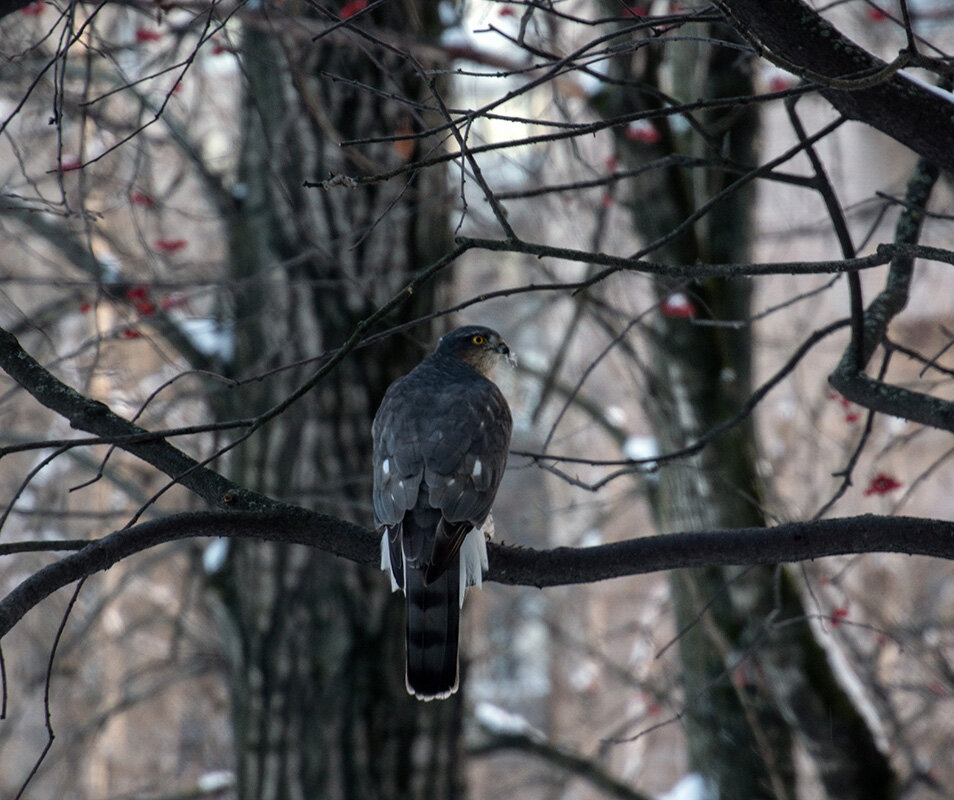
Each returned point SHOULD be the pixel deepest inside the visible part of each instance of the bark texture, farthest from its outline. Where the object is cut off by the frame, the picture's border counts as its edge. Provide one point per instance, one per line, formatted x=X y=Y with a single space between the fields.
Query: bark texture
x=320 y=708
x=752 y=685
x=904 y=110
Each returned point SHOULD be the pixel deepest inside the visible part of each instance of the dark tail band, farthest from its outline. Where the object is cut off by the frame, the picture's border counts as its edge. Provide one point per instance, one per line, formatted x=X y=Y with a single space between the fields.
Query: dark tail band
x=432 y=629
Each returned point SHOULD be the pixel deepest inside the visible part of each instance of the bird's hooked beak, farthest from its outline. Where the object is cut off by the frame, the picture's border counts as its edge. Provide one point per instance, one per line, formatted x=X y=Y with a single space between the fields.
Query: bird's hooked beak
x=507 y=353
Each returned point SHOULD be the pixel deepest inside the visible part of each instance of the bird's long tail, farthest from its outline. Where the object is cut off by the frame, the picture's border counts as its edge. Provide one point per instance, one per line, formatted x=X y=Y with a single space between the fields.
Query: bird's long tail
x=433 y=627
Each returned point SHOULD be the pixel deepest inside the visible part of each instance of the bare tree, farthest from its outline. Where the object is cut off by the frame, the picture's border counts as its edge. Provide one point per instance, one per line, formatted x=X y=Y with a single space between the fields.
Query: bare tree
x=325 y=182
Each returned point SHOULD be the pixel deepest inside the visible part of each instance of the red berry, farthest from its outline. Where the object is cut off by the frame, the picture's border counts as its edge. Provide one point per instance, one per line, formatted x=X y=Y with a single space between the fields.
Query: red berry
x=352 y=7
x=171 y=245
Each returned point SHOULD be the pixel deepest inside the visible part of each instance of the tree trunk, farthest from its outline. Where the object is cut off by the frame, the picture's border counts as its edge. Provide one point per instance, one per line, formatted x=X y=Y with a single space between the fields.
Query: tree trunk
x=751 y=684
x=319 y=703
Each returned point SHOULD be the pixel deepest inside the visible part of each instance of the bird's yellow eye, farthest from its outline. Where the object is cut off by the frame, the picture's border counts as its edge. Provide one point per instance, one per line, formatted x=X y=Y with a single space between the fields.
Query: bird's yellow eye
x=478 y=339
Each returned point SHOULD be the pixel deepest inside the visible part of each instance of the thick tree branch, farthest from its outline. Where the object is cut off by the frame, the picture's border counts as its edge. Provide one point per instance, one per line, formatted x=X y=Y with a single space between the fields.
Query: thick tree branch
x=291 y=525
x=97 y=418
x=849 y=377
x=793 y=541
x=894 y=296
x=911 y=113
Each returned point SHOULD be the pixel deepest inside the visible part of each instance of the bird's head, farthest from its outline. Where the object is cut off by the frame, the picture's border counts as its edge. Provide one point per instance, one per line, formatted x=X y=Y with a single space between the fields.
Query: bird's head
x=476 y=345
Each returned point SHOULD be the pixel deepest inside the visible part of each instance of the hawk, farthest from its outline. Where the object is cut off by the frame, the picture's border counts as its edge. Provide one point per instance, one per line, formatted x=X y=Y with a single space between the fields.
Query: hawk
x=440 y=440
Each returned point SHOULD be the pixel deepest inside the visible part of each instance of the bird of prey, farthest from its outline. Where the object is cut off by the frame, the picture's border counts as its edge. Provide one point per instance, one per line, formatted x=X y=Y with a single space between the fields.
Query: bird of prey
x=440 y=440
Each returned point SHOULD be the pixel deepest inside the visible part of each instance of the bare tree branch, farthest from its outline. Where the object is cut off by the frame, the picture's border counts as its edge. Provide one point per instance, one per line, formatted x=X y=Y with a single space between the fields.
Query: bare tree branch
x=556 y=756
x=898 y=107
x=561 y=566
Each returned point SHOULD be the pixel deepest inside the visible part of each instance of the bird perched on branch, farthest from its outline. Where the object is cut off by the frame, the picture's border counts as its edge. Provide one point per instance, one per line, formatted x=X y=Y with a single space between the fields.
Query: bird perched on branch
x=440 y=438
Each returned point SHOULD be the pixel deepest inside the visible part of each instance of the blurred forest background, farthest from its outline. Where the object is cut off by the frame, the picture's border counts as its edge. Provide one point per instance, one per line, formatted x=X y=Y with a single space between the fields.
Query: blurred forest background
x=238 y=222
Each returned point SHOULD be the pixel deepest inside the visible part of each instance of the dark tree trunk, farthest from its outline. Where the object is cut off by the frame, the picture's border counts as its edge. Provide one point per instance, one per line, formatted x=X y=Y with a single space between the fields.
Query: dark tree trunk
x=320 y=707
x=753 y=675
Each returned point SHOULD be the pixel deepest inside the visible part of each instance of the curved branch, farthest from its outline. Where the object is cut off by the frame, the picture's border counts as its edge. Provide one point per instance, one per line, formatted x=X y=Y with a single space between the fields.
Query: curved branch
x=97 y=418
x=917 y=115
x=555 y=756
x=295 y=526
x=561 y=566
x=849 y=377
